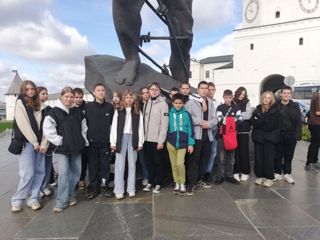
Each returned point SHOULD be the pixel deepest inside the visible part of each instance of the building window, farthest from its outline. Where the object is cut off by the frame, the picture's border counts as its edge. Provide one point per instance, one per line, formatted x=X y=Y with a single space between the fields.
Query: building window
x=190 y=74
x=251 y=46
x=207 y=74
x=300 y=41
x=277 y=14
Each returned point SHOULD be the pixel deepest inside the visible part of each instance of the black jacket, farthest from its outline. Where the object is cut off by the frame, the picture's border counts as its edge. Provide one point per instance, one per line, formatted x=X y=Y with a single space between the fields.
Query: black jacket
x=266 y=125
x=99 y=119
x=69 y=126
x=290 y=119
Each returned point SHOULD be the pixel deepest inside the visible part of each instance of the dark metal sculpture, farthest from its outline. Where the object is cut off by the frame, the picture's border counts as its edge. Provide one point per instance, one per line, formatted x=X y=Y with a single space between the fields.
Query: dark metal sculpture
x=176 y=14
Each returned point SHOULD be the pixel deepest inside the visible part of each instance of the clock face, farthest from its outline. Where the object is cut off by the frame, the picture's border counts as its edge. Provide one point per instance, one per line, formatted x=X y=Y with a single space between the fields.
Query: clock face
x=252 y=11
x=309 y=6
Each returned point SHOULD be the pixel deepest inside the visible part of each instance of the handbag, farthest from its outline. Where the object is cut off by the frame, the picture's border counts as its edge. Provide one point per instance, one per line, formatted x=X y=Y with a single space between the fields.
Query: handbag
x=15 y=146
x=229 y=132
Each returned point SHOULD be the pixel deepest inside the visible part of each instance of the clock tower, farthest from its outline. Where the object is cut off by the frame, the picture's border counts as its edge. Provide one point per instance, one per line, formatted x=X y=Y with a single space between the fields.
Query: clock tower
x=266 y=12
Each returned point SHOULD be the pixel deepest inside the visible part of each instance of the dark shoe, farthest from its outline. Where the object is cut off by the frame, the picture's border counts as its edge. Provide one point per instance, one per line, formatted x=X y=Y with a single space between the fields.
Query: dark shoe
x=203 y=184
x=232 y=180
x=108 y=193
x=191 y=190
x=92 y=195
x=219 y=180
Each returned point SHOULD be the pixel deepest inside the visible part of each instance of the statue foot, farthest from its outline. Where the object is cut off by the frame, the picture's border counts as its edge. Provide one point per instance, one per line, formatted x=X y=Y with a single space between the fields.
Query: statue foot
x=128 y=73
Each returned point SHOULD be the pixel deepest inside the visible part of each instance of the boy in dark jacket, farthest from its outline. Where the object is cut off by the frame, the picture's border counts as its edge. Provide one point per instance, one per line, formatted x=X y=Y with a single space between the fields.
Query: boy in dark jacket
x=226 y=159
x=99 y=114
x=290 y=133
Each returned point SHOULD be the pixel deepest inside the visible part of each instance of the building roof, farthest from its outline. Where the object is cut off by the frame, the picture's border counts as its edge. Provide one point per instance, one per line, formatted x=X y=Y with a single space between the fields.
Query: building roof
x=15 y=85
x=55 y=96
x=218 y=59
x=226 y=66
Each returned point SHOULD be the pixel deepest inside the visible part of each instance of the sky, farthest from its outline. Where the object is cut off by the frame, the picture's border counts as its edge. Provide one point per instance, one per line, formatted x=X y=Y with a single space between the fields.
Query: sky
x=47 y=40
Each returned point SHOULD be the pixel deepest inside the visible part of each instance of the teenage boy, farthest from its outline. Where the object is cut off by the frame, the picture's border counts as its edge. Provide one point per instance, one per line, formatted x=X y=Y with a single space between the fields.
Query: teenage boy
x=144 y=94
x=99 y=114
x=211 y=92
x=204 y=120
x=226 y=159
x=179 y=141
x=185 y=90
x=290 y=133
x=80 y=103
x=155 y=127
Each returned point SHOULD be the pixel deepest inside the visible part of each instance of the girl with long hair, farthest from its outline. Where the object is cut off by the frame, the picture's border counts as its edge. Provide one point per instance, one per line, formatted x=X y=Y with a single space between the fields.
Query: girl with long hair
x=28 y=130
x=265 y=135
x=126 y=137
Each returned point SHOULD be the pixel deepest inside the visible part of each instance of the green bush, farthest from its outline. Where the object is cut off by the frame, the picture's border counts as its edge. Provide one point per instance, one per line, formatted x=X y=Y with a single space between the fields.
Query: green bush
x=5 y=125
x=306 y=134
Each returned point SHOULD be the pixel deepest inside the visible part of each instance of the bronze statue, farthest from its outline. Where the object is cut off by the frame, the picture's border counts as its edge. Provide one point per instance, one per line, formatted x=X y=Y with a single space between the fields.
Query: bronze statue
x=178 y=16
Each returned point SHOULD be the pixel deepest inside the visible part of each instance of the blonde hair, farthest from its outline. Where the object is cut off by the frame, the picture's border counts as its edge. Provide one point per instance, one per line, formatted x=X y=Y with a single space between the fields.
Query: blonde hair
x=273 y=101
x=66 y=90
x=135 y=105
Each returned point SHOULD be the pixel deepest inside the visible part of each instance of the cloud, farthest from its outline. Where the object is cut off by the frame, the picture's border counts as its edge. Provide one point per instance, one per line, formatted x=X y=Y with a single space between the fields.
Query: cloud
x=222 y=47
x=28 y=30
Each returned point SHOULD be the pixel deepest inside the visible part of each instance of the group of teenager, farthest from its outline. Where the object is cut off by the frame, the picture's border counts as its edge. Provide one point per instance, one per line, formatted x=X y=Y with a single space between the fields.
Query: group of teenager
x=76 y=137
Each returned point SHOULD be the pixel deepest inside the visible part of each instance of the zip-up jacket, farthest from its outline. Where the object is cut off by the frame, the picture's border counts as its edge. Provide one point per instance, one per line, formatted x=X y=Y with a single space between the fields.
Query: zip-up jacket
x=65 y=129
x=194 y=108
x=180 y=132
x=156 y=120
x=99 y=119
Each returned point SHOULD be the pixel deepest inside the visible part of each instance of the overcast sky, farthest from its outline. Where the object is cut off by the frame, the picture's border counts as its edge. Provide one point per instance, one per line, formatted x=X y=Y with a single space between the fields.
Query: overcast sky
x=46 y=40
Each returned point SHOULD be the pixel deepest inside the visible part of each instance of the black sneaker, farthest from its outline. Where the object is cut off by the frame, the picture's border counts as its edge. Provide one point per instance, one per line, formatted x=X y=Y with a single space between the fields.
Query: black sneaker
x=219 y=180
x=92 y=195
x=191 y=190
x=203 y=184
x=232 y=180
x=108 y=193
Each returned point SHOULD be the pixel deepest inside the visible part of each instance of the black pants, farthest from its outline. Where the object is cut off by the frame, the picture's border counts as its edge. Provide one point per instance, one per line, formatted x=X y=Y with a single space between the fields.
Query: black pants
x=313 y=150
x=84 y=163
x=198 y=161
x=99 y=167
x=154 y=160
x=225 y=160
x=264 y=160
x=284 y=153
x=242 y=161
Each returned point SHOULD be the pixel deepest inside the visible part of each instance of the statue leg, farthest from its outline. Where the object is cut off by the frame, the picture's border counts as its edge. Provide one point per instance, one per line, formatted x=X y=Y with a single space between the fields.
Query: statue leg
x=127 y=21
x=180 y=16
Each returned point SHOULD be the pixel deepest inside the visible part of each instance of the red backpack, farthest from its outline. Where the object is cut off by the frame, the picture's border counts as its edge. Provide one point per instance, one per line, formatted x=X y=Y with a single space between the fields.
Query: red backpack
x=228 y=130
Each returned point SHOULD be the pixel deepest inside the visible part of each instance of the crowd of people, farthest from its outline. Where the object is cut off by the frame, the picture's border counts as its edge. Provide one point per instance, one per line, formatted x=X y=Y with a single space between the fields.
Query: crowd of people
x=194 y=132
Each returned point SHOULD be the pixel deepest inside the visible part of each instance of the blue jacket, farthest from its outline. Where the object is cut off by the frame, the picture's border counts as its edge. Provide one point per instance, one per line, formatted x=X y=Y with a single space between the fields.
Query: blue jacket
x=180 y=132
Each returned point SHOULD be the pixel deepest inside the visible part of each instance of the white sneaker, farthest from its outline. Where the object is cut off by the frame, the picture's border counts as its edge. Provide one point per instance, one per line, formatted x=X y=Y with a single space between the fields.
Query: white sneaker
x=34 y=205
x=259 y=181
x=268 y=183
x=176 y=188
x=182 y=188
x=288 y=178
x=41 y=194
x=236 y=176
x=16 y=208
x=157 y=189
x=145 y=182
x=277 y=177
x=119 y=196
x=47 y=192
x=132 y=194
x=147 y=188
x=73 y=202
x=244 y=177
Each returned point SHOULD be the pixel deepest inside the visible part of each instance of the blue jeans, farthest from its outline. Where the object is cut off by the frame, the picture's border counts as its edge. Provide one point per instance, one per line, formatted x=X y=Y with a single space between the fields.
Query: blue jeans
x=213 y=152
x=144 y=167
x=126 y=146
x=31 y=172
x=48 y=169
x=69 y=173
